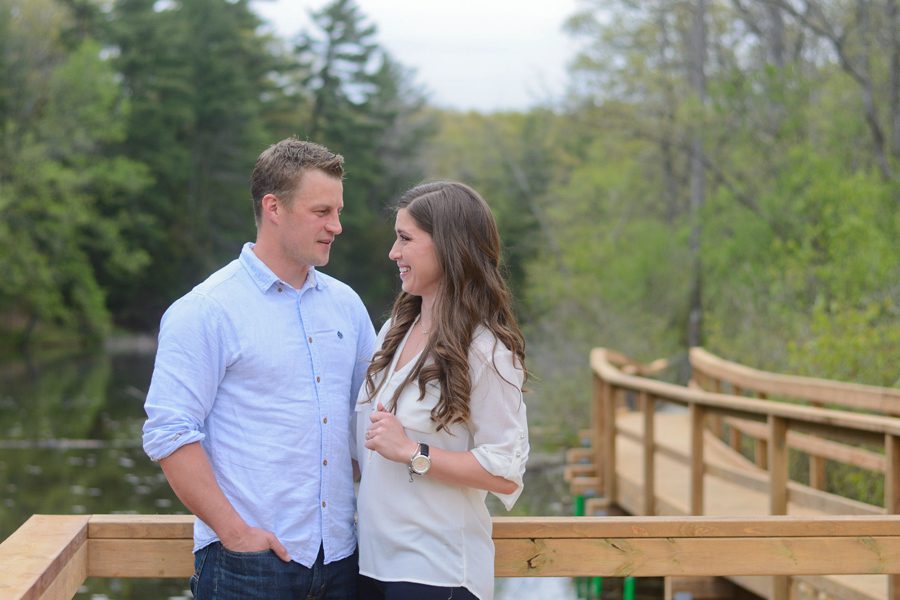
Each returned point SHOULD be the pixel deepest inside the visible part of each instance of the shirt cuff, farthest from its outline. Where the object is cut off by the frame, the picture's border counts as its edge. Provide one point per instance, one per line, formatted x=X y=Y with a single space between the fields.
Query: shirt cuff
x=159 y=445
x=502 y=464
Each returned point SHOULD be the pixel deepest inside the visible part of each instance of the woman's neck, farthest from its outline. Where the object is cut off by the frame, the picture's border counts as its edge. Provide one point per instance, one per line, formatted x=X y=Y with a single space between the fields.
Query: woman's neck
x=426 y=313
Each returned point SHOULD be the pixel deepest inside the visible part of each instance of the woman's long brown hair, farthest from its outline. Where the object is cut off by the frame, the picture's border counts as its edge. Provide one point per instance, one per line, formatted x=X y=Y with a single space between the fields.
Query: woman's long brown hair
x=472 y=292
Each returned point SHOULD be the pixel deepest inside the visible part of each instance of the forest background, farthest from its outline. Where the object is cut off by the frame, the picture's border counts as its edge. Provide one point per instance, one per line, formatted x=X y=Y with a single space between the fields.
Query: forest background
x=720 y=173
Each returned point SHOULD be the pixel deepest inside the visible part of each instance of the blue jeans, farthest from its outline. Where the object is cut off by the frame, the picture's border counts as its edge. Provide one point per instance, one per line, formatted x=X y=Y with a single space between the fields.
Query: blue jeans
x=220 y=574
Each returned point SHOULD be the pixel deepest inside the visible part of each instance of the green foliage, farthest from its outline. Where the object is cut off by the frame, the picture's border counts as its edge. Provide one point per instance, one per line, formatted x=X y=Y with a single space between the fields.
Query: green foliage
x=196 y=73
x=59 y=213
x=797 y=228
x=364 y=107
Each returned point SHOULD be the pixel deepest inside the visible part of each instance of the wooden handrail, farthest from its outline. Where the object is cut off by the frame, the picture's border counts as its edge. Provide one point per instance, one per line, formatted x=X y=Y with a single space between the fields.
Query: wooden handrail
x=822 y=391
x=782 y=422
x=860 y=427
x=160 y=546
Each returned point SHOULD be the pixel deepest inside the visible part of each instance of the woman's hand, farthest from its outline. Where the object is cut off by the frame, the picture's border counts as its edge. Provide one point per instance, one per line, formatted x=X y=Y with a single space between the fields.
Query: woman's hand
x=387 y=437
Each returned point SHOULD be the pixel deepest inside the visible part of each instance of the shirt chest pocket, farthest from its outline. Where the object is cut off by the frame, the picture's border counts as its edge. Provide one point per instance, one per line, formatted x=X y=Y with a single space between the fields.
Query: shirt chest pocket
x=334 y=354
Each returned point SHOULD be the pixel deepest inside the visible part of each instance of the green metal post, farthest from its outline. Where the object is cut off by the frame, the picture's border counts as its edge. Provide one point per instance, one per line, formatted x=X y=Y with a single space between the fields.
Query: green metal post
x=628 y=589
x=581 y=583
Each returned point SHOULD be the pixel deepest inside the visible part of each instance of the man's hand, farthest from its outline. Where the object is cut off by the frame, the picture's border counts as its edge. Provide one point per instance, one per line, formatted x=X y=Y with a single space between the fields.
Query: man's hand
x=254 y=539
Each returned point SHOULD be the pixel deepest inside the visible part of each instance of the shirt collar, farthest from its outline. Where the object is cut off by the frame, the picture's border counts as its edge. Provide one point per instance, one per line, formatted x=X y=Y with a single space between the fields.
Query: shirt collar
x=263 y=276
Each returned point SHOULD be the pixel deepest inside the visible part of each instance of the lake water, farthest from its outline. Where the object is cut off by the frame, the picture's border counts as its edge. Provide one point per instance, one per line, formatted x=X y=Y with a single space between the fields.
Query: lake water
x=70 y=444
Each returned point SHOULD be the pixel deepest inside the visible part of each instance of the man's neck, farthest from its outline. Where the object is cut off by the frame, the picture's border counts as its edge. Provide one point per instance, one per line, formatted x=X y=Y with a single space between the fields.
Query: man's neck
x=292 y=274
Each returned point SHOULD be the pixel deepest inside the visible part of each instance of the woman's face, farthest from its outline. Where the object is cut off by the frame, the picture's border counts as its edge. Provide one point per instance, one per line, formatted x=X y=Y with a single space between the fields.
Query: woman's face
x=414 y=253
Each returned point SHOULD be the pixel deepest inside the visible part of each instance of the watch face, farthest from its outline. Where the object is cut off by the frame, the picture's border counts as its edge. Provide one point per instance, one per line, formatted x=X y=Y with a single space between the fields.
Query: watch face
x=421 y=464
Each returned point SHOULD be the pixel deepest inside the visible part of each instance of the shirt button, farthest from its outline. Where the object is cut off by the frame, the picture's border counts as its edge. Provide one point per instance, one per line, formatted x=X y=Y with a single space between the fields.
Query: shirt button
x=280 y=289
x=325 y=420
x=325 y=462
x=323 y=504
x=310 y=339
x=318 y=379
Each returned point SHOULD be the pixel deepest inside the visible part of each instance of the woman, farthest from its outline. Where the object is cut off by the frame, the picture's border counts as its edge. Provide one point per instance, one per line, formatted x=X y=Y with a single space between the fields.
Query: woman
x=441 y=419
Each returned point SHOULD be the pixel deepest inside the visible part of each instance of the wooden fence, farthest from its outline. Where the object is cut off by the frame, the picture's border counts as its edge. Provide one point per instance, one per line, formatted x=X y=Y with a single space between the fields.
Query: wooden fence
x=865 y=440
x=50 y=556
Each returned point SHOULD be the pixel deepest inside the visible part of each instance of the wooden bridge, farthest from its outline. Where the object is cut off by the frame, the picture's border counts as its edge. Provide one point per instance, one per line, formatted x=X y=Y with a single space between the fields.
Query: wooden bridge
x=720 y=447
x=705 y=510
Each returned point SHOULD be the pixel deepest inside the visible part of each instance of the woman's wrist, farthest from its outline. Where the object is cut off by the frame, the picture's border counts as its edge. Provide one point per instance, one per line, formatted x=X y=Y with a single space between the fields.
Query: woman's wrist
x=409 y=450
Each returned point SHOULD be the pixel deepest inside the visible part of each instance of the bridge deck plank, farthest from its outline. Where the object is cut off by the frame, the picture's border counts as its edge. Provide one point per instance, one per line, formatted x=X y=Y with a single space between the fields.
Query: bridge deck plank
x=721 y=498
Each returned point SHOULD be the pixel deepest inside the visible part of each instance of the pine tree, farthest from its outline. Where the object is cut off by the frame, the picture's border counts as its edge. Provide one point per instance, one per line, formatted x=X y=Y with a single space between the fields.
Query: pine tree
x=364 y=106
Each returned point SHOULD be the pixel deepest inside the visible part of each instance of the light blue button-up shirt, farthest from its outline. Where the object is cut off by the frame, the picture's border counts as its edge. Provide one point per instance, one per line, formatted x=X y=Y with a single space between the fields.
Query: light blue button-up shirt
x=265 y=378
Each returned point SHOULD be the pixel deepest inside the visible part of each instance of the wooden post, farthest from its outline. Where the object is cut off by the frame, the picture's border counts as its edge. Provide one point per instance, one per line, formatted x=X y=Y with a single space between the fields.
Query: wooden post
x=46 y=558
x=648 y=407
x=598 y=428
x=761 y=454
x=778 y=465
x=734 y=438
x=609 y=443
x=761 y=448
x=816 y=472
x=718 y=423
x=778 y=478
x=697 y=464
x=892 y=496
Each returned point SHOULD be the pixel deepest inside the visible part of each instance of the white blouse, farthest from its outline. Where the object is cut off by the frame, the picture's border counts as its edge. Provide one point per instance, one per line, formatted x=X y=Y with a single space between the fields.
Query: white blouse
x=432 y=532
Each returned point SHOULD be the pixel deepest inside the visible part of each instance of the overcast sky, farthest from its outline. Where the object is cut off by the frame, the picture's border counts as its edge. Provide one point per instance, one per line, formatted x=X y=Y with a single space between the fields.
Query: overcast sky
x=484 y=55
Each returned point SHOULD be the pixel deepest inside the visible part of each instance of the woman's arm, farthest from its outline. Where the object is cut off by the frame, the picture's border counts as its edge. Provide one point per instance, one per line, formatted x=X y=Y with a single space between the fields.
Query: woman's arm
x=387 y=437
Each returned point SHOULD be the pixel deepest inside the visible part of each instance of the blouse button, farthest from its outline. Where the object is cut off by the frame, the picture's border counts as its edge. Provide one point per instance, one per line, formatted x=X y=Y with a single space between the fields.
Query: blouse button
x=518 y=454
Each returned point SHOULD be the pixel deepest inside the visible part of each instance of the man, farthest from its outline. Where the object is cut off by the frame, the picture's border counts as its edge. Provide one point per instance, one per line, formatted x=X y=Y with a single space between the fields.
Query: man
x=249 y=405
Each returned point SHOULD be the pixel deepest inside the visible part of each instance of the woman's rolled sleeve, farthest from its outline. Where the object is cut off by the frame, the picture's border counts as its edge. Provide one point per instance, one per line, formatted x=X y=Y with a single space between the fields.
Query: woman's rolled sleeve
x=499 y=424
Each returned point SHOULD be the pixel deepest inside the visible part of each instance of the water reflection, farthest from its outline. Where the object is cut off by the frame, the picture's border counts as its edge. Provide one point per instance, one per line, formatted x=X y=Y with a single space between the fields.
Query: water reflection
x=70 y=444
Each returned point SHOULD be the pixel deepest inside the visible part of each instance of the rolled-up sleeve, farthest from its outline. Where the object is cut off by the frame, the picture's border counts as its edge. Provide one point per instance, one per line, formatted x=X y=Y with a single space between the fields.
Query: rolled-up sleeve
x=191 y=358
x=498 y=418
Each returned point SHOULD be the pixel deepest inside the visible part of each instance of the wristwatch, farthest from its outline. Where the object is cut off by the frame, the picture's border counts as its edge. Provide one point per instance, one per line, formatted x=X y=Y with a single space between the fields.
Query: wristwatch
x=420 y=462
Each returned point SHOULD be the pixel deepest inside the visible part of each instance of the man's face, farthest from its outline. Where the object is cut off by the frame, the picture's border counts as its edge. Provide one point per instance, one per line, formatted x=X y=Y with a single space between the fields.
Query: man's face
x=311 y=220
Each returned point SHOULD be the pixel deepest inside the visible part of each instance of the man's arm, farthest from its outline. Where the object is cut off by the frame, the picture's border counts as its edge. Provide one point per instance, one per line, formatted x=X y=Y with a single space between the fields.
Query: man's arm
x=191 y=477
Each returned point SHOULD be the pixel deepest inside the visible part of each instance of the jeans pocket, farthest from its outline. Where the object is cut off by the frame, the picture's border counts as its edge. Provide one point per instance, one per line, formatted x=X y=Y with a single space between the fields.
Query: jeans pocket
x=199 y=562
x=257 y=575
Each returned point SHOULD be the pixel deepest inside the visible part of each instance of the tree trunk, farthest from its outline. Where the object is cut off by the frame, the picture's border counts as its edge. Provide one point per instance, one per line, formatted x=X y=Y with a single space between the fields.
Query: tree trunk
x=893 y=19
x=697 y=78
x=666 y=145
x=775 y=35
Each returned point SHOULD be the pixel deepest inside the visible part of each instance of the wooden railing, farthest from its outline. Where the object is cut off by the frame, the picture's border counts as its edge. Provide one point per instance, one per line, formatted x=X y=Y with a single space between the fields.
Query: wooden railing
x=50 y=556
x=833 y=434
x=714 y=373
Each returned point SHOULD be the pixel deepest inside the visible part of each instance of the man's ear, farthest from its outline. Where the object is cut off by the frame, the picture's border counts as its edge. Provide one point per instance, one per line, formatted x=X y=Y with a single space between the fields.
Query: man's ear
x=270 y=208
